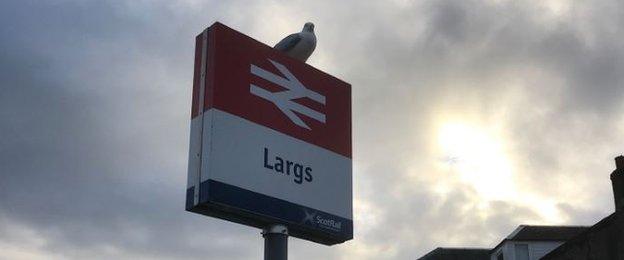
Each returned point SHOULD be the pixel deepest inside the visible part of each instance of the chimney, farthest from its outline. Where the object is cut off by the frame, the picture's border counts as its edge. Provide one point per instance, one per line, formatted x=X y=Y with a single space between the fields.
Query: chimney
x=617 y=180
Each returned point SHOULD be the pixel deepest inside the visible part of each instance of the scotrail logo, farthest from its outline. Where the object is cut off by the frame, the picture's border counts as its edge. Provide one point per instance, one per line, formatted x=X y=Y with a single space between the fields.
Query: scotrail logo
x=309 y=217
x=284 y=100
x=315 y=219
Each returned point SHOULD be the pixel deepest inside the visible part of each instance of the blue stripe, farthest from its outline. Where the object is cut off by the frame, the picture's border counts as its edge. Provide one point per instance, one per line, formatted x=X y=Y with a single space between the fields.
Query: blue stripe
x=190 y=192
x=279 y=211
x=203 y=192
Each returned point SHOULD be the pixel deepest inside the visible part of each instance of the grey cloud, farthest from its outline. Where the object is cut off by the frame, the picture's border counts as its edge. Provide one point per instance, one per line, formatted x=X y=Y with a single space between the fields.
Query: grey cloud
x=82 y=158
x=475 y=45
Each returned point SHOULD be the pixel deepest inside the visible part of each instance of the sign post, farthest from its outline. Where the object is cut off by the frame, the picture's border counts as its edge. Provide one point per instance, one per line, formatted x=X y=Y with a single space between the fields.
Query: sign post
x=270 y=143
x=275 y=242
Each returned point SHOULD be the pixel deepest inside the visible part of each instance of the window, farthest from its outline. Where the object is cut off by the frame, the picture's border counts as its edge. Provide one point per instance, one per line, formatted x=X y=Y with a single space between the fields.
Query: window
x=500 y=256
x=522 y=251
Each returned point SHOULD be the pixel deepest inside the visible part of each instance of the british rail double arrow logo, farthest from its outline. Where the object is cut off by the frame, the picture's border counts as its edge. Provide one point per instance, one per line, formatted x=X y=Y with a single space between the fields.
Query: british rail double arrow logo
x=284 y=100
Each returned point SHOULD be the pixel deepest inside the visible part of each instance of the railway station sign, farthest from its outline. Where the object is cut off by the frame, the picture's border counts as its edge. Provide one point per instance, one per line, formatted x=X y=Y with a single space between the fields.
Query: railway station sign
x=270 y=139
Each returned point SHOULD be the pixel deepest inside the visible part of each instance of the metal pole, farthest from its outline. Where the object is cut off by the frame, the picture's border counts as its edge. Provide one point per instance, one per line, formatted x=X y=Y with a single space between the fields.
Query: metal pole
x=275 y=242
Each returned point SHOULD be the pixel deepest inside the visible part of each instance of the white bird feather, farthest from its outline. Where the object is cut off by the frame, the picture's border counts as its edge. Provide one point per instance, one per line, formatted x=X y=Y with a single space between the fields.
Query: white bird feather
x=299 y=45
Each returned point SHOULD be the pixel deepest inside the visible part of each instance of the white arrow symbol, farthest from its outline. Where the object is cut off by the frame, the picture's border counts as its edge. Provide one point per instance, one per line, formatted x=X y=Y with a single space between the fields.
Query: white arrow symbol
x=284 y=99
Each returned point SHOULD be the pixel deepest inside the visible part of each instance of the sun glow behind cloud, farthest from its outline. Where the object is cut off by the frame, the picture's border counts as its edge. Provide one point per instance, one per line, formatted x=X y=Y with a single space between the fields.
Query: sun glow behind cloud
x=477 y=156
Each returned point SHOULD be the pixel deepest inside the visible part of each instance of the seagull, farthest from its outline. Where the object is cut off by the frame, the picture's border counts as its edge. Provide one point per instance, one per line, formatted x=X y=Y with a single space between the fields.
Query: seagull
x=299 y=45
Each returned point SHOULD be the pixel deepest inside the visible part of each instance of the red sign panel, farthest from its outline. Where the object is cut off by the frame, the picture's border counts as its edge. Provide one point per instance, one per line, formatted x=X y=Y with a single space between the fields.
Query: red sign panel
x=253 y=81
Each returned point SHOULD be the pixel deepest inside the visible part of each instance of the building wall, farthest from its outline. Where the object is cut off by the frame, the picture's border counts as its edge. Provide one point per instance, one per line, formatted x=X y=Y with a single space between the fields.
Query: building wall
x=498 y=251
x=537 y=249
x=605 y=240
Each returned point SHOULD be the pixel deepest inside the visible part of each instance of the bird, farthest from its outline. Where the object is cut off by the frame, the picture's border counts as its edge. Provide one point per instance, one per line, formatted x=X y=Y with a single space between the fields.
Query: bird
x=299 y=45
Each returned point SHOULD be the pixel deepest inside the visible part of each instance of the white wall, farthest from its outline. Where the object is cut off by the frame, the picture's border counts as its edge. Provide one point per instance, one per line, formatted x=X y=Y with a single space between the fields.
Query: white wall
x=537 y=249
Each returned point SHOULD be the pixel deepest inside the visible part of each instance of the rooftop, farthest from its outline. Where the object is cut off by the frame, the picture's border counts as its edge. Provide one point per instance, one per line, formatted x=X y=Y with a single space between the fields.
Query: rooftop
x=542 y=233
x=545 y=233
x=442 y=253
x=608 y=228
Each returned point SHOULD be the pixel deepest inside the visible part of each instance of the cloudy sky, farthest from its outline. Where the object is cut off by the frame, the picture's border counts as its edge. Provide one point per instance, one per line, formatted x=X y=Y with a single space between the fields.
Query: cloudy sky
x=469 y=118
